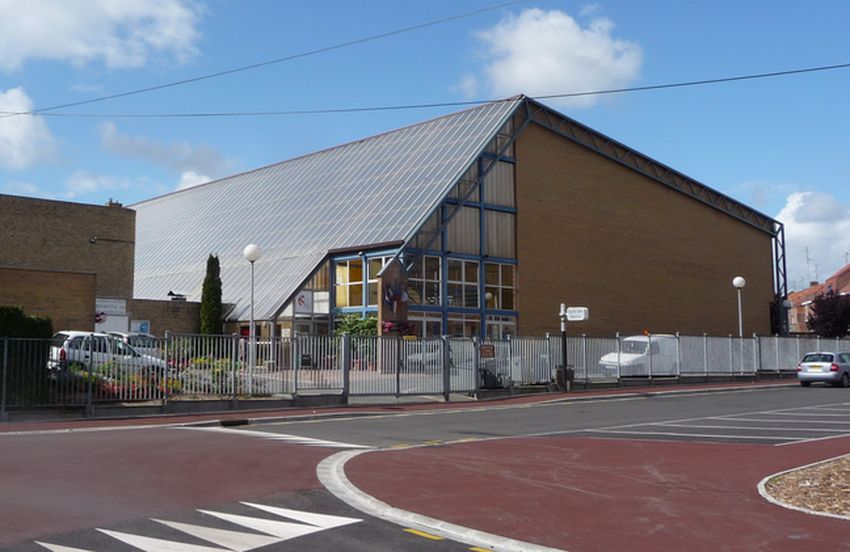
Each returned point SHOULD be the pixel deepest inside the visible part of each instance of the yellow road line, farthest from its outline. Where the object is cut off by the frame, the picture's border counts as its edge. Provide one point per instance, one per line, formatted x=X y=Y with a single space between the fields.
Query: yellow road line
x=424 y=535
x=476 y=549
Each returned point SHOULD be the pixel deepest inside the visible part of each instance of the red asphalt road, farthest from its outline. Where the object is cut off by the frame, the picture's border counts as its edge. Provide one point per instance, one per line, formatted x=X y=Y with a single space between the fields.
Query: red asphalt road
x=81 y=480
x=588 y=494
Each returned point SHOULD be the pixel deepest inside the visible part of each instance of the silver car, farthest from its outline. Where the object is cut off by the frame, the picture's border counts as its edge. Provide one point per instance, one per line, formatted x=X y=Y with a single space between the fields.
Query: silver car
x=827 y=367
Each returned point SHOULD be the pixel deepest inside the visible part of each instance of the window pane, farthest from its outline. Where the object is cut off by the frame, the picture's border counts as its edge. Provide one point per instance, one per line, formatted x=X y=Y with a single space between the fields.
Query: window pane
x=341 y=296
x=499 y=185
x=507 y=299
x=355 y=294
x=373 y=294
x=492 y=297
x=463 y=231
x=491 y=274
x=455 y=297
x=433 y=328
x=432 y=293
x=471 y=328
x=471 y=271
x=414 y=292
x=454 y=327
x=508 y=275
x=355 y=270
x=470 y=296
x=455 y=271
x=432 y=268
x=375 y=266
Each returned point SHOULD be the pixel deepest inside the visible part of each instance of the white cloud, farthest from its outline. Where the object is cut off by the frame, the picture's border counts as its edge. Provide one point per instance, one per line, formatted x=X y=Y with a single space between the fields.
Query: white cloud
x=84 y=183
x=191 y=178
x=588 y=9
x=24 y=139
x=548 y=52
x=821 y=223
x=122 y=33
x=180 y=157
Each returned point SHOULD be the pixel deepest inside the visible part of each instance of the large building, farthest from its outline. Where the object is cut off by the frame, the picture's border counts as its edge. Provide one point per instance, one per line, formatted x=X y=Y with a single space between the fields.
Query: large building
x=498 y=213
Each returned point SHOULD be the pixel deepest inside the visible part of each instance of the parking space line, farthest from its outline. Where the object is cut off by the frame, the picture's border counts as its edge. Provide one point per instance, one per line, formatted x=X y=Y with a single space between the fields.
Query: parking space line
x=732 y=418
x=818 y=414
x=813 y=439
x=753 y=428
x=704 y=435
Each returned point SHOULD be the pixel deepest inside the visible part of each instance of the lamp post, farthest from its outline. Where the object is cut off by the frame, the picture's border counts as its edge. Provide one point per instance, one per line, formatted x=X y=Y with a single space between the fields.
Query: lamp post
x=739 y=282
x=562 y=314
x=252 y=254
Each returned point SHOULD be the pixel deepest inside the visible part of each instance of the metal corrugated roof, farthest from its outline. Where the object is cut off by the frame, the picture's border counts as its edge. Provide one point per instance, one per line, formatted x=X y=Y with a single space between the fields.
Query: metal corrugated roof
x=366 y=192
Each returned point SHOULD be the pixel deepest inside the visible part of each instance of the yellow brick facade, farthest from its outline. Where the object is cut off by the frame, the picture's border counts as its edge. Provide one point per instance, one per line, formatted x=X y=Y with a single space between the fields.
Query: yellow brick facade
x=641 y=256
x=68 y=298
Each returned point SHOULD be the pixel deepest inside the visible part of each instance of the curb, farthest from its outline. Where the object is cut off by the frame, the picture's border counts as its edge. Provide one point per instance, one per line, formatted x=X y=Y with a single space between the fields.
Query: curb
x=762 y=488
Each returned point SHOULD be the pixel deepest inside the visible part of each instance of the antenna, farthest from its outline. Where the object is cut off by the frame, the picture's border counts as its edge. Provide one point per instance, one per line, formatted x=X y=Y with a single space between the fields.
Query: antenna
x=808 y=265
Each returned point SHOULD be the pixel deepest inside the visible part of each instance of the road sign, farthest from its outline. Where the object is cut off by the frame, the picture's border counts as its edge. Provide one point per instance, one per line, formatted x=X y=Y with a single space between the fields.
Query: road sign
x=488 y=351
x=578 y=314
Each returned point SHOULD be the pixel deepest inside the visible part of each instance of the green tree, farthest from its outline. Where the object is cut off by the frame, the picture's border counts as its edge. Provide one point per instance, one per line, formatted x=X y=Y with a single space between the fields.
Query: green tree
x=830 y=314
x=14 y=323
x=211 y=309
x=355 y=325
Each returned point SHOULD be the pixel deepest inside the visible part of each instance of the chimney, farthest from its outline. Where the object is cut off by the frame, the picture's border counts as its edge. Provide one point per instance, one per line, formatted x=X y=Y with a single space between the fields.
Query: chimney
x=813 y=283
x=116 y=204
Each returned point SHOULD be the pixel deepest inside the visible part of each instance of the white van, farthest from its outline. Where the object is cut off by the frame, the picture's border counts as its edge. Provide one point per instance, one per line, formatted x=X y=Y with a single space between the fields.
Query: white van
x=642 y=355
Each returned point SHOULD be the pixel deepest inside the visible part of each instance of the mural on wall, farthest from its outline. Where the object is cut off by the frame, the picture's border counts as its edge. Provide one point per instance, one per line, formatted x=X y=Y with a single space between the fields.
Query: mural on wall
x=392 y=311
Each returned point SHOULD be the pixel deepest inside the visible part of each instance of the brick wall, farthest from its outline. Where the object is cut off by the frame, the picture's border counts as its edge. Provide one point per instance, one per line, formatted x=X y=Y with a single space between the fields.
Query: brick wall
x=640 y=255
x=66 y=297
x=174 y=316
x=55 y=235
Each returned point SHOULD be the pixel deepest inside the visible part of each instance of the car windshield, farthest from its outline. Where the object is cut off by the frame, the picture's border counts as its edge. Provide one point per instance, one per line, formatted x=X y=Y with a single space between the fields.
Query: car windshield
x=122 y=348
x=634 y=347
x=142 y=341
x=818 y=357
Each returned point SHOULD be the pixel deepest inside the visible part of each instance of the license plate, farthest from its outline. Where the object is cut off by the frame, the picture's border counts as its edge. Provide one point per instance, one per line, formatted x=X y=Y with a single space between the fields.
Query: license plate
x=815 y=368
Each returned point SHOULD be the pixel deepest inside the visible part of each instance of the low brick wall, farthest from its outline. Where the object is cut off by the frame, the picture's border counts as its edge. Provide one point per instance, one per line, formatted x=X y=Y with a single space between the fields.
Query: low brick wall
x=172 y=316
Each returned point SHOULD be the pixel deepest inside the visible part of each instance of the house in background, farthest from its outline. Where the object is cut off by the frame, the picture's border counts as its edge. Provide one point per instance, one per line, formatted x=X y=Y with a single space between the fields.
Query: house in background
x=802 y=300
x=497 y=214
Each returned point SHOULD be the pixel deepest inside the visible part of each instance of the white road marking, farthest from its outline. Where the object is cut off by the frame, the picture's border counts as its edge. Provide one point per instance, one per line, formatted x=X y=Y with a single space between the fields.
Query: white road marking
x=60 y=548
x=734 y=418
x=283 y=530
x=703 y=435
x=231 y=540
x=813 y=439
x=752 y=428
x=813 y=414
x=319 y=520
x=150 y=544
x=295 y=439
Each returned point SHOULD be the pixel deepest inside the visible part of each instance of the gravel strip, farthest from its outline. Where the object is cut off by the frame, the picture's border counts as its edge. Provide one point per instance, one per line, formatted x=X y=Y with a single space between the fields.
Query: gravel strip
x=822 y=488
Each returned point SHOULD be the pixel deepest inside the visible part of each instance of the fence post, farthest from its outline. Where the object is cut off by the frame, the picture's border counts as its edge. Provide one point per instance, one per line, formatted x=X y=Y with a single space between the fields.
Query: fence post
x=4 y=416
x=584 y=361
x=797 y=340
x=776 y=341
x=619 y=359
x=446 y=375
x=345 y=353
x=235 y=345
x=731 y=357
x=476 y=363
x=89 y=403
x=678 y=357
x=296 y=364
x=165 y=370
x=549 y=356
x=398 y=362
x=705 y=354
x=649 y=354
x=511 y=358
x=756 y=354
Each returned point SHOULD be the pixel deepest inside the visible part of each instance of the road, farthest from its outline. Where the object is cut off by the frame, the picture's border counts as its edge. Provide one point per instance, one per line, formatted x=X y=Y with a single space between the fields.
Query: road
x=638 y=472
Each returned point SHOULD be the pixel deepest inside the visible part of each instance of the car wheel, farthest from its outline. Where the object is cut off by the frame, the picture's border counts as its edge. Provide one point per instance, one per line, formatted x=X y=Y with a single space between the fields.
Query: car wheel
x=805 y=383
x=845 y=380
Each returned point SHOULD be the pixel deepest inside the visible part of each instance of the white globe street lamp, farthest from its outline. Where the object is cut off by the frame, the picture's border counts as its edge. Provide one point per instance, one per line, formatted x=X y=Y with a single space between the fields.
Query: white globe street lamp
x=739 y=282
x=252 y=254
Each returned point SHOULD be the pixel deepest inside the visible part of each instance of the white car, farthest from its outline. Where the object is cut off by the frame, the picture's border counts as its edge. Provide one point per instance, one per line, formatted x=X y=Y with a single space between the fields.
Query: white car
x=97 y=349
x=143 y=343
x=642 y=355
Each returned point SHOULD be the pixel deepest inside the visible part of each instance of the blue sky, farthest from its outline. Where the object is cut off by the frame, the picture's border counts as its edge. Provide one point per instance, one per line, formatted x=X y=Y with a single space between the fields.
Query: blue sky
x=777 y=144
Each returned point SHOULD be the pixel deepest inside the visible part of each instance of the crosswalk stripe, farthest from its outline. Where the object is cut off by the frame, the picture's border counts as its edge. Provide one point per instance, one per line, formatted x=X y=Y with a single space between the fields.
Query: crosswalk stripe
x=232 y=540
x=281 y=529
x=150 y=544
x=60 y=548
x=319 y=520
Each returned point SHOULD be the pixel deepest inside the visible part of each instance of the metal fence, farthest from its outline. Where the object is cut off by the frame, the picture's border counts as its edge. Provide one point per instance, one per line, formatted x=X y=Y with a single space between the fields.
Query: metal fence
x=90 y=370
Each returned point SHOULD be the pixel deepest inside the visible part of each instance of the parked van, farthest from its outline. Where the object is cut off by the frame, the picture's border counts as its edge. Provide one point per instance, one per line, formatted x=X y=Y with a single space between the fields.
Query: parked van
x=642 y=355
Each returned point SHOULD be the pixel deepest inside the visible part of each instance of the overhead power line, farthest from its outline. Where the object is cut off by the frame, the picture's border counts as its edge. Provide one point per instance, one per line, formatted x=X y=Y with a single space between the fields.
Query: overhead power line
x=401 y=107
x=275 y=61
